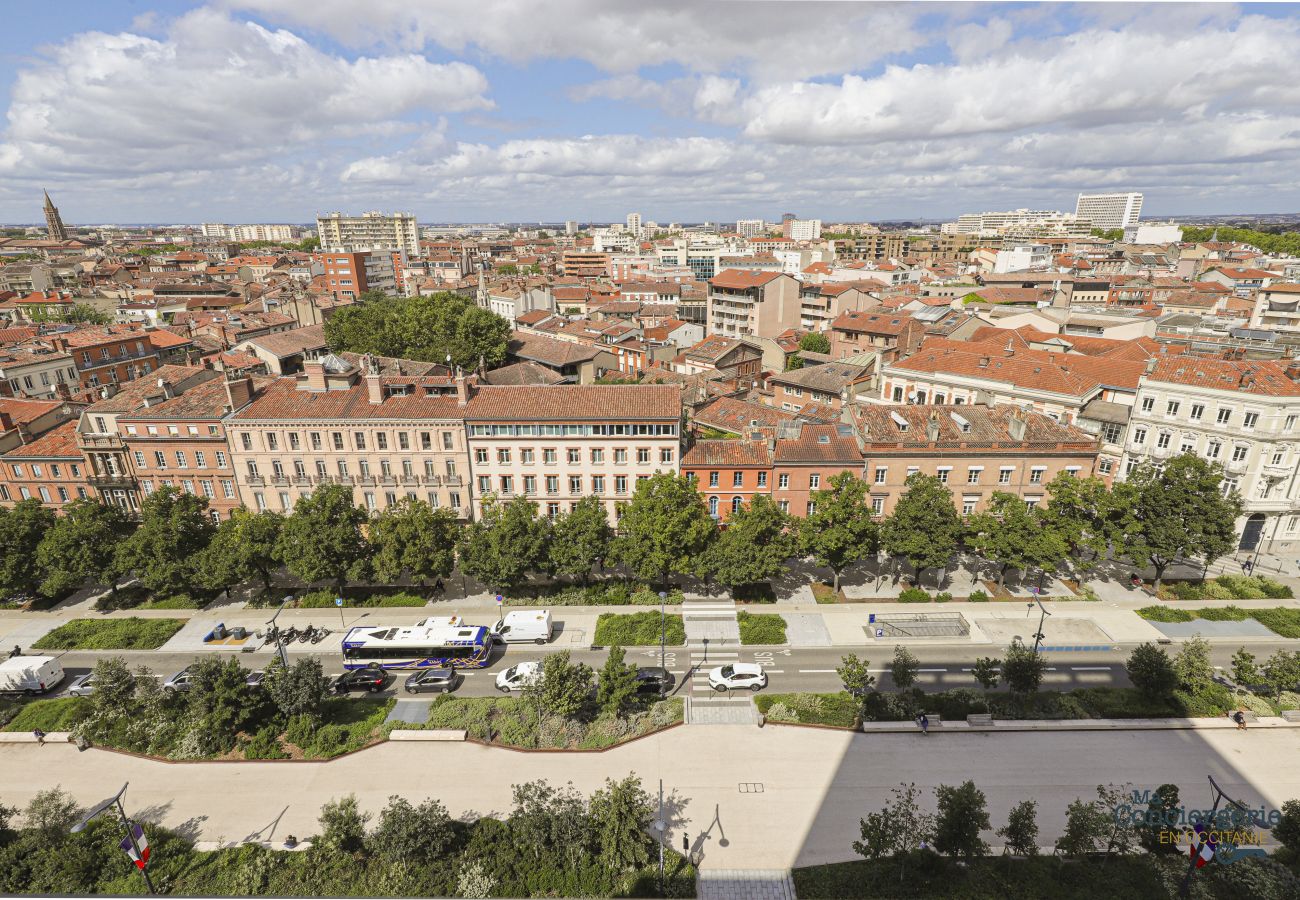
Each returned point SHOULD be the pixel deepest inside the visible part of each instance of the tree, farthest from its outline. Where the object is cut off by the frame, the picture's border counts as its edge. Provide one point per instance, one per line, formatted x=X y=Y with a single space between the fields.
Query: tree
x=581 y=539
x=1013 y=536
x=342 y=826
x=21 y=530
x=220 y=701
x=753 y=547
x=412 y=538
x=563 y=687
x=410 y=834
x=81 y=546
x=664 y=529
x=963 y=815
x=424 y=328
x=1179 y=511
x=620 y=821
x=840 y=530
x=549 y=823
x=299 y=689
x=854 y=675
x=986 y=671
x=243 y=547
x=815 y=342
x=166 y=550
x=323 y=539
x=1192 y=665
x=904 y=667
x=1158 y=831
x=51 y=811
x=793 y=362
x=1121 y=834
x=1021 y=831
x=1244 y=670
x=1287 y=830
x=1151 y=671
x=899 y=828
x=506 y=543
x=1282 y=672
x=1079 y=511
x=1086 y=826
x=113 y=699
x=1023 y=669
x=1109 y=234
x=924 y=528
x=616 y=688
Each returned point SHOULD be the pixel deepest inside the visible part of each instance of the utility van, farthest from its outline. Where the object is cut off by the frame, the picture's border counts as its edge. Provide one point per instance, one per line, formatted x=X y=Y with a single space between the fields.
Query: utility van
x=30 y=675
x=522 y=626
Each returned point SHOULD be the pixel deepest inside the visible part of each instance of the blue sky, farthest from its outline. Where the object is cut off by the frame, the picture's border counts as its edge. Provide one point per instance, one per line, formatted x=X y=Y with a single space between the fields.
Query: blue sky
x=274 y=110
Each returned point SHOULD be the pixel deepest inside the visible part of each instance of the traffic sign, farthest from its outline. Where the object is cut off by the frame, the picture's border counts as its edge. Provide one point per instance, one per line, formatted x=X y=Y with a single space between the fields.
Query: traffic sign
x=338 y=601
x=880 y=632
x=498 y=599
x=871 y=618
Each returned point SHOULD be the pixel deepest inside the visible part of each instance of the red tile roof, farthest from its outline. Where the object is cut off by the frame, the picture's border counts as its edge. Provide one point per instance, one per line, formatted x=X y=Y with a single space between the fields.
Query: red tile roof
x=740 y=453
x=738 y=280
x=58 y=442
x=1262 y=377
x=564 y=402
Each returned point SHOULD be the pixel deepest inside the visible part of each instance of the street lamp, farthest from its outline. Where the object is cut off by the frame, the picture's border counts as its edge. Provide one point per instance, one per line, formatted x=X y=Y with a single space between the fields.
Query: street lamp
x=1038 y=636
x=663 y=628
x=1256 y=820
x=135 y=844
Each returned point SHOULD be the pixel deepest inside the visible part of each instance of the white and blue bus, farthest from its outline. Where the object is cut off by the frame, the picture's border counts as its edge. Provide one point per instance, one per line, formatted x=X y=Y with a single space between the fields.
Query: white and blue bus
x=437 y=641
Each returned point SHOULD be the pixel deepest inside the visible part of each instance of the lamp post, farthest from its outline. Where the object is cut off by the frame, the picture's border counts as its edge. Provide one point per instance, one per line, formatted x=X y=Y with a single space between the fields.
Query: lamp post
x=1038 y=635
x=1184 y=889
x=136 y=847
x=279 y=642
x=663 y=628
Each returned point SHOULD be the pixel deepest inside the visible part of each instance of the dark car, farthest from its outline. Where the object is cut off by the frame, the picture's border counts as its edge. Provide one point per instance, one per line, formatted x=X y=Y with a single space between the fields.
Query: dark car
x=371 y=678
x=654 y=680
x=439 y=680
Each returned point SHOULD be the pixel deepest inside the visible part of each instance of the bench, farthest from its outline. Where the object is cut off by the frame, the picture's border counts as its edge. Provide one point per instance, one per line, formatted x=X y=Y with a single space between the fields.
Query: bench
x=935 y=720
x=980 y=720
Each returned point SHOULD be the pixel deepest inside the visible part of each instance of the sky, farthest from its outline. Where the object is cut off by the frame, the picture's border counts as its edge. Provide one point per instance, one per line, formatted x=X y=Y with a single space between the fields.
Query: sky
x=682 y=110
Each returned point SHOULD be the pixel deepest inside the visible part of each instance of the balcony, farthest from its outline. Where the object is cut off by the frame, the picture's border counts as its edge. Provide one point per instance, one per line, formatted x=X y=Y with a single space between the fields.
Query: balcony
x=100 y=441
x=302 y=479
x=432 y=480
x=1237 y=466
x=113 y=481
x=454 y=481
x=256 y=480
x=282 y=480
x=410 y=479
x=366 y=480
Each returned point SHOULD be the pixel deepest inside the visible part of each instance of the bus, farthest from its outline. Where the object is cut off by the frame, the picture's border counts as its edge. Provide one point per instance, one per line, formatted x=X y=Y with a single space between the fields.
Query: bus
x=436 y=641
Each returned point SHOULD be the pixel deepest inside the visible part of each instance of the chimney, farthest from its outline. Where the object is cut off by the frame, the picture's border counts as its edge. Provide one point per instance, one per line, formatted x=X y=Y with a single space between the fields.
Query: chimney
x=1293 y=371
x=462 y=389
x=315 y=372
x=1151 y=365
x=1016 y=426
x=374 y=387
x=239 y=392
x=166 y=388
x=984 y=362
x=932 y=427
x=6 y=422
x=1011 y=351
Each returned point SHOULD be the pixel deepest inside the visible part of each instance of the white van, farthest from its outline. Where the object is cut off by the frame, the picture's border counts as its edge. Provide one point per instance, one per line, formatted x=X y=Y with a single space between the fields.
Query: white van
x=521 y=626
x=30 y=674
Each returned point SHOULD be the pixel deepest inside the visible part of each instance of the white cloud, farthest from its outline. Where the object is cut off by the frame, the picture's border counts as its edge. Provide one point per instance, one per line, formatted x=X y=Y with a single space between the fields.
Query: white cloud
x=213 y=93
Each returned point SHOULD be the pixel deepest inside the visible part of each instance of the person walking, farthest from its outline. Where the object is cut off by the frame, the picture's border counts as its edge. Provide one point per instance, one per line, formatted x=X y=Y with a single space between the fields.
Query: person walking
x=40 y=736
x=1240 y=718
x=924 y=722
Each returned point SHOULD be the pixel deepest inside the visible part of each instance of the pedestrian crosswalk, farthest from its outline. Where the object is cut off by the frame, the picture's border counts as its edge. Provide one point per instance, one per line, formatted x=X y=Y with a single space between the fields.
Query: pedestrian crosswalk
x=715 y=707
x=710 y=620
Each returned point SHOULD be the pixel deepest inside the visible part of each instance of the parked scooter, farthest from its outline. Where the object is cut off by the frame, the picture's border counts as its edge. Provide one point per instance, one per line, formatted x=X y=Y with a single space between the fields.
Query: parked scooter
x=306 y=634
x=320 y=635
x=289 y=635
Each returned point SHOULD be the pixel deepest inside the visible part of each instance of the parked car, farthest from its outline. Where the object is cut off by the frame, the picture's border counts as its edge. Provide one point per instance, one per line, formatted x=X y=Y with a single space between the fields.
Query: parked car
x=181 y=681
x=518 y=677
x=371 y=678
x=82 y=685
x=654 y=680
x=438 y=680
x=738 y=677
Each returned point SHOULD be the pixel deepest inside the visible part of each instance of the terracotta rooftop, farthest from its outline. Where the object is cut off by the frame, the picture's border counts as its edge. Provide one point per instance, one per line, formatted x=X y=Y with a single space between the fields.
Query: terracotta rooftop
x=831 y=377
x=134 y=393
x=23 y=411
x=563 y=402
x=819 y=443
x=202 y=401
x=549 y=351
x=737 y=416
x=1250 y=376
x=889 y=324
x=523 y=373
x=281 y=399
x=728 y=453
x=970 y=423
x=56 y=443
x=288 y=343
x=737 y=280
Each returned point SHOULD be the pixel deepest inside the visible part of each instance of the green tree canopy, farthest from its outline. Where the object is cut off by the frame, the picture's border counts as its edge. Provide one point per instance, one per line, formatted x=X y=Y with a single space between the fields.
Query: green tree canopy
x=81 y=546
x=424 y=328
x=564 y=687
x=620 y=821
x=1021 y=830
x=665 y=528
x=753 y=547
x=855 y=675
x=1023 y=669
x=840 y=530
x=1013 y=536
x=581 y=539
x=924 y=528
x=815 y=342
x=1079 y=510
x=299 y=689
x=616 y=688
x=21 y=531
x=904 y=667
x=506 y=543
x=1278 y=241
x=243 y=547
x=166 y=551
x=1151 y=671
x=412 y=538
x=962 y=817
x=323 y=540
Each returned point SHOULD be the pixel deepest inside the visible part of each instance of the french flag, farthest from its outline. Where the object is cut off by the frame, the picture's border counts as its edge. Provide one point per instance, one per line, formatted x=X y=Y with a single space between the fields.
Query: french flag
x=141 y=842
x=1202 y=849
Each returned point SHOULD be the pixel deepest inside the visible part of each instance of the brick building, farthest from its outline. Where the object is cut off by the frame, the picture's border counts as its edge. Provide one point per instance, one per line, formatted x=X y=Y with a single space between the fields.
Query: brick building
x=50 y=469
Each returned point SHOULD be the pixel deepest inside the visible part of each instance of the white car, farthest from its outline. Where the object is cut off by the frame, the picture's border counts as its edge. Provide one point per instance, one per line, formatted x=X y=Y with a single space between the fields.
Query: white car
x=738 y=677
x=84 y=686
x=518 y=677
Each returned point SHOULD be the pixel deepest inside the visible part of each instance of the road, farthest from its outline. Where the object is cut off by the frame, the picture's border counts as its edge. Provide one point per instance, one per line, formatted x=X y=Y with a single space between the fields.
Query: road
x=789 y=669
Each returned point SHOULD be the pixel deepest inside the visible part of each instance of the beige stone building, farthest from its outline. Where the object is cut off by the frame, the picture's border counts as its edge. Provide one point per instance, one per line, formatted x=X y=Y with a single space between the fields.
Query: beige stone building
x=753 y=304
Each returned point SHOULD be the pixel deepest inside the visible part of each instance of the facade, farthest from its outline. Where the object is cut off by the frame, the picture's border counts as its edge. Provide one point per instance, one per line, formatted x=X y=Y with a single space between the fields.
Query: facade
x=369 y=231
x=1277 y=308
x=109 y=354
x=822 y=304
x=891 y=334
x=349 y=275
x=35 y=370
x=1109 y=210
x=753 y=304
x=833 y=385
x=49 y=469
x=384 y=436
x=729 y=473
x=748 y=228
x=805 y=457
x=1244 y=414
x=556 y=445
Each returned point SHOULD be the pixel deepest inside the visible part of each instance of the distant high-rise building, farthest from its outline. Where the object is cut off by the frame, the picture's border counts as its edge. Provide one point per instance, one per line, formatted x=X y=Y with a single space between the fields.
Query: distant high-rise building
x=750 y=227
x=53 y=222
x=215 y=229
x=570 y=227
x=1110 y=210
x=260 y=232
x=802 y=229
x=634 y=223
x=369 y=231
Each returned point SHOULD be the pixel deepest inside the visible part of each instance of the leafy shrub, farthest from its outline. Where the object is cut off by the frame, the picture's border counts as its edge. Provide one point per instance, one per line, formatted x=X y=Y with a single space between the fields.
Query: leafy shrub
x=839 y=709
x=110 y=634
x=978 y=597
x=761 y=628
x=1274 y=590
x=327 y=740
x=1215 y=591
x=957 y=704
x=638 y=629
x=755 y=593
x=265 y=744
x=325 y=599
x=301 y=730
x=615 y=592
x=1165 y=614
x=913 y=595
x=1186 y=590
x=943 y=597
x=1288 y=700
x=1087 y=593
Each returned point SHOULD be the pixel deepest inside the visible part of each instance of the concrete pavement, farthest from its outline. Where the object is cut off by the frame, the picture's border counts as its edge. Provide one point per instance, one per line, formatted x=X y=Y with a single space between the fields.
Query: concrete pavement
x=747 y=799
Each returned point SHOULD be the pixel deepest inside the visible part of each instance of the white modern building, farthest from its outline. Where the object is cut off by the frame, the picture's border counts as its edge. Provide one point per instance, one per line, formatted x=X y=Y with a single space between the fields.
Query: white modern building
x=634 y=224
x=570 y=228
x=1110 y=210
x=369 y=231
x=751 y=228
x=805 y=229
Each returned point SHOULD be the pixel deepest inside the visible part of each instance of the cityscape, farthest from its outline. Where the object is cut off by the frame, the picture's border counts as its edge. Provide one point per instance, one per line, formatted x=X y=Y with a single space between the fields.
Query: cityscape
x=620 y=451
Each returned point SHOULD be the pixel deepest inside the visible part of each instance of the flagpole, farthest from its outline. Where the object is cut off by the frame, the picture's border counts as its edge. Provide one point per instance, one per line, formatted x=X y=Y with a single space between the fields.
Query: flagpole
x=126 y=824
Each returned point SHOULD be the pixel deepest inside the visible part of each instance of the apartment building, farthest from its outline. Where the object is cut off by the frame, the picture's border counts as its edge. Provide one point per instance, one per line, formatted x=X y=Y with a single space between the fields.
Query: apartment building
x=369 y=231
x=750 y=227
x=822 y=304
x=891 y=334
x=753 y=304
x=1244 y=414
x=832 y=385
x=384 y=436
x=804 y=459
x=729 y=473
x=109 y=354
x=35 y=370
x=1121 y=210
x=584 y=264
x=349 y=275
x=558 y=444
x=1277 y=308
x=975 y=450
x=49 y=468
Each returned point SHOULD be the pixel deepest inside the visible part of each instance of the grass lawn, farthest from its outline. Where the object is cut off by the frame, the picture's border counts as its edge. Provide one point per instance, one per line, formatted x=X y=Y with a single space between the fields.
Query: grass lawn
x=49 y=715
x=810 y=709
x=824 y=593
x=1281 y=619
x=110 y=634
x=761 y=628
x=638 y=629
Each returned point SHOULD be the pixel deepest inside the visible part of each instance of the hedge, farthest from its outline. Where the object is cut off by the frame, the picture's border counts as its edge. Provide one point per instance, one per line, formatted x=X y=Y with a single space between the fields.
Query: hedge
x=761 y=628
x=638 y=629
x=325 y=599
x=810 y=709
x=110 y=634
x=1227 y=587
x=605 y=593
x=512 y=722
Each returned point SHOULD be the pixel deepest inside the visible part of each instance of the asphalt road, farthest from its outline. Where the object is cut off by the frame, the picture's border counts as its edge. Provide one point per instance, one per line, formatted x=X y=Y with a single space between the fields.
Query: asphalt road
x=789 y=669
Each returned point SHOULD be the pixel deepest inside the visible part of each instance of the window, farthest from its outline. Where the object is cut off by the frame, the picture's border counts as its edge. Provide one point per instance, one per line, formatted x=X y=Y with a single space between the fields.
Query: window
x=180 y=460
x=575 y=484
x=598 y=484
x=403 y=441
x=1198 y=410
x=336 y=438
x=246 y=440
x=1212 y=450
x=1187 y=445
x=1162 y=440
x=228 y=489
x=620 y=484
x=1111 y=432
x=737 y=479
x=76 y=470
x=1105 y=466
x=812 y=507
x=877 y=506
x=294 y=441
x=160 y=459
x=882 y=473
x=507 y=484
x=200 y=459
x=45 y=494
x=484 y=485
x=385 y=468
x=1248 y=421
x=912 y=470
x=480 y=455
x=973 y=474
x=1278 y=456
x=1171 y=408
x=713 y=479
x=260 y=500
x=897 y=396
x=503 y=457
x=221 y=459
x=597 y=456
x=968 y=507
x=552 y=484
x=526 y=457
x=574 y=455
x=359 y=439
x=713 y=507
x=408 y=471
x=1036 y=475
x=735 y=504
x=36 y=470
x=446 y=440
x=381 y=441
x=272 y=443
x=277 y=469
x=1148 y=404
x=814 y=481
x=1139 y=436
x=783 y=480
x=139 y=459
x=1239 y=453
x=762 y=479
x=364 y=466
x=315 y=440
x=343 y=468
x=666 y=457
x=1290 y=423
x=63 y=495
x=552 y=510
x=943 y=474
x=643 y=456
x=1223 y=416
